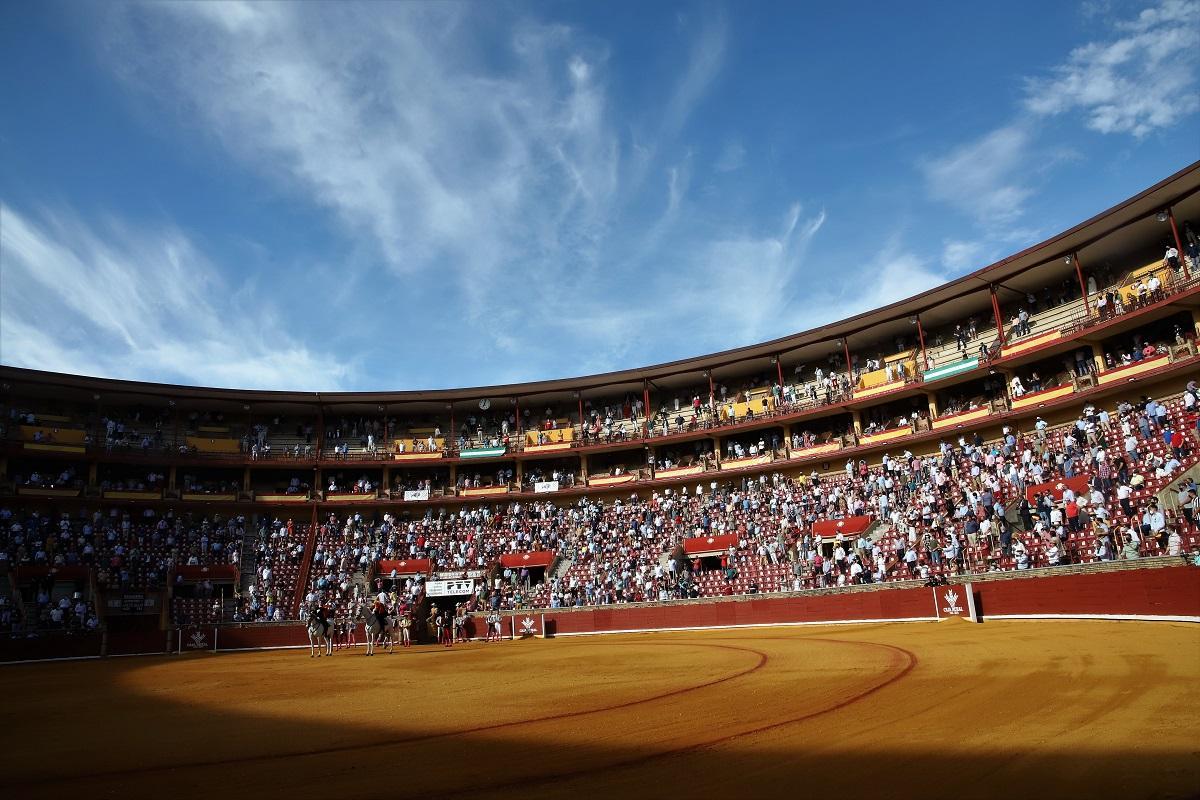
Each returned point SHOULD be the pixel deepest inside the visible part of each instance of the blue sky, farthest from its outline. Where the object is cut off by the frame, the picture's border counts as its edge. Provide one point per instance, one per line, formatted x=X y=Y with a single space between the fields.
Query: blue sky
x=405 y=196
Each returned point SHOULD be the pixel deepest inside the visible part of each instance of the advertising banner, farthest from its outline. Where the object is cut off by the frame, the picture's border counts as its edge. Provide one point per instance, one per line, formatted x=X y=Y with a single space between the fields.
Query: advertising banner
x=447 y=588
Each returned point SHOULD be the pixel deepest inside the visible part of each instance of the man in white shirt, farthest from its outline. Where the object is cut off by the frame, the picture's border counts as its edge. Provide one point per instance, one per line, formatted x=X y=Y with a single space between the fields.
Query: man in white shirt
x=1171 y=257
x=1154 y=524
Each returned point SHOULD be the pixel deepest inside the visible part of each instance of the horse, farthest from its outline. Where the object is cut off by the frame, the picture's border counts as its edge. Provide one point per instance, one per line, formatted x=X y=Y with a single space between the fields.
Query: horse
x=375 y=633
x=316 y=634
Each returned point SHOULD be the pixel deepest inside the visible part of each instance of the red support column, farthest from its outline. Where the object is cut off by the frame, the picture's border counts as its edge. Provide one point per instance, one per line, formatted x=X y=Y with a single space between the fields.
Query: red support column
x=1178 y=245
x=579 y=397
x=712 y=395
x=846 y=352
x=517 y=403
x=999 y=318
x=921 y=338
x=1087 y=309
x=646 y=402
x=779 y=369
x=453 y=433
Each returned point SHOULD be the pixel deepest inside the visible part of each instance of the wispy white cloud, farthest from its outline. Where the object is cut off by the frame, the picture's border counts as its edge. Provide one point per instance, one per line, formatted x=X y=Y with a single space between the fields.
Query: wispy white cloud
x=984 y=177
x=123 y=302
x=499 y=173
x=1142 y=80
x=961 y=256
x=896 y=273
x=424 y=147
x=757 y=274
x=704 y=63
x=711 y=293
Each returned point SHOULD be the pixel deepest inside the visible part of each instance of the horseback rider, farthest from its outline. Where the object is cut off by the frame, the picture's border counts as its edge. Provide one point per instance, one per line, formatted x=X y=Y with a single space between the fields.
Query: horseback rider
x=320 y=613
x=381 y=610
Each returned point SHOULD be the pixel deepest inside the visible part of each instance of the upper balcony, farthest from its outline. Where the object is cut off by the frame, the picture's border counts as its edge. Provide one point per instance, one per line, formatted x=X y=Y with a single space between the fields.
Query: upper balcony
x=1106 y=274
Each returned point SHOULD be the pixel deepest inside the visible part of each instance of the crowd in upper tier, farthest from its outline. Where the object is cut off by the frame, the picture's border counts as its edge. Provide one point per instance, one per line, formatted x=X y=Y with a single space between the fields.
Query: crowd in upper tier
x=710 y=402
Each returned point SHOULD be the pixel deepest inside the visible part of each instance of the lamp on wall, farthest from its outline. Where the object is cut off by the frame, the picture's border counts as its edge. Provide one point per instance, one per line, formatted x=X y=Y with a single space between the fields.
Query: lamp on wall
x=1162 y=216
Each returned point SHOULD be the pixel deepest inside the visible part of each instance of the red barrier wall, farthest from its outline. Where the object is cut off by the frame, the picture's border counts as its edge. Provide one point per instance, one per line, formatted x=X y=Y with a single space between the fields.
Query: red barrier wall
x=132 y=643
x=82 y=645
x=272 y=636
x=1166 y=592
x=886 y=604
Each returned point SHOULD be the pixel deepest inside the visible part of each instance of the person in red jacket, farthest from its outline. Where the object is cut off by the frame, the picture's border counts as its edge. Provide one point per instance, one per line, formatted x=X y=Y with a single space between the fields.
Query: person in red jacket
x=1177 y=443
x=1072 y=514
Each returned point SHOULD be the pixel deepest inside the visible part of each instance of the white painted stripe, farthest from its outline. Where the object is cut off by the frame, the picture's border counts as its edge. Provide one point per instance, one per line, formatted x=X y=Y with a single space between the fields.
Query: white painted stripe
x=749 y=625
x=272 y=647
x=1130 y=617
x=64 y=658
x=135 y=655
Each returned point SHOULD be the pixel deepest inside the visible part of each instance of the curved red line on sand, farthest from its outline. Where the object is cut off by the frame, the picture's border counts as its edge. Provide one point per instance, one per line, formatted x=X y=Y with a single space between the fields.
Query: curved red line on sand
x=909 y=664
x=763 y=658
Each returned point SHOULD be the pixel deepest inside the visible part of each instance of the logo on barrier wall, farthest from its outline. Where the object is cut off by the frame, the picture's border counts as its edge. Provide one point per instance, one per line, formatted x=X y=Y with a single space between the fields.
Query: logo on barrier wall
x=198 y=641
x=952 y=606
x=528 y=627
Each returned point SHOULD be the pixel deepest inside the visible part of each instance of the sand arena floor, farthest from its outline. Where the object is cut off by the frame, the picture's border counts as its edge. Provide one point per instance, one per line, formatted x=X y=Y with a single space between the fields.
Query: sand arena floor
x=1005 y=709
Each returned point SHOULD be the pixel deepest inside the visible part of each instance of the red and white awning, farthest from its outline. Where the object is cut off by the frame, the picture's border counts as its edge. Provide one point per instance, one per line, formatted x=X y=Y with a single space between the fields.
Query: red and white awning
x=848 y=527
x=410 y=566
x=535 y=558
x=698 y=546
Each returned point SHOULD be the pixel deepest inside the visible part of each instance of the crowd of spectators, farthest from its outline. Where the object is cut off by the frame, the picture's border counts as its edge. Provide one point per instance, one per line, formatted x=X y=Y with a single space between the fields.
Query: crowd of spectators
x=44 y=612
x=964 y=508
x=279 y=553
x=50 y=478
x=126 y=550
